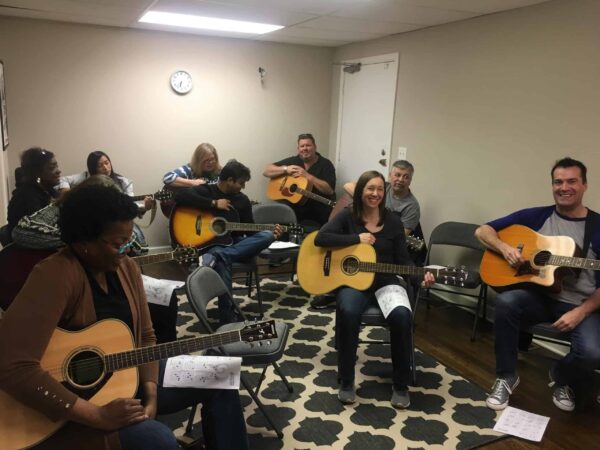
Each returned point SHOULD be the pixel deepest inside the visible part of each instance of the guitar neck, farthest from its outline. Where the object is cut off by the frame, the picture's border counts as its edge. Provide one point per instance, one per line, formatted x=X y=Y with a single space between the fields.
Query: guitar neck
x=145 y=355
x=574 y=262
x=403 y=270
x=153 y=259
x=236 y=226
x=316 y=197
x=137 y=198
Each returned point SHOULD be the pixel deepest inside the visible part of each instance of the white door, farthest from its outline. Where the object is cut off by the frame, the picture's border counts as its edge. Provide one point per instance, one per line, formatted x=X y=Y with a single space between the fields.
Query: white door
x=366 y=117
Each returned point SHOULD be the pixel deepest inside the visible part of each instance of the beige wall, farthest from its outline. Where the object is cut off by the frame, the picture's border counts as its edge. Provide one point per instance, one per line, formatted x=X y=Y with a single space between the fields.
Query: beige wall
x=76 y=88
x=486 y=105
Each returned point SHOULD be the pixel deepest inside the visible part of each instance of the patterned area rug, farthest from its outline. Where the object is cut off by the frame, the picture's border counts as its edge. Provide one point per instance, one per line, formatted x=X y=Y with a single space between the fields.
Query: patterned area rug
x=446 y=410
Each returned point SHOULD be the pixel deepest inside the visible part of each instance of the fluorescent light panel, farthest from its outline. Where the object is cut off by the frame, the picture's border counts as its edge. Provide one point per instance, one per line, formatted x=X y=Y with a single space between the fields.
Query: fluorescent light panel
x=207 y=23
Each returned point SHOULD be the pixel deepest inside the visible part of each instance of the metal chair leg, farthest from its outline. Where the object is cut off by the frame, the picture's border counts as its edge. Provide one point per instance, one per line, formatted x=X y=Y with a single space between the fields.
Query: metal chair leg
x=261 y=406
x=283 y=377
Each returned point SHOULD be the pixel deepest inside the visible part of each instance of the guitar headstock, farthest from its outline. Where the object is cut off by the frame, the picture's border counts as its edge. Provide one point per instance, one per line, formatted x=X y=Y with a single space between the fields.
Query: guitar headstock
x=296 y=230
x=162 y=195
x=414 y=243
x=453 y=276
x=259 y=331
x=185 y=254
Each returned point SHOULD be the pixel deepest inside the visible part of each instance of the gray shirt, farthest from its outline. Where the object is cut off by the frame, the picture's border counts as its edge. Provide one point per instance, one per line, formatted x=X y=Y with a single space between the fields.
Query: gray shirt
x=407 y=207
x=575 y=289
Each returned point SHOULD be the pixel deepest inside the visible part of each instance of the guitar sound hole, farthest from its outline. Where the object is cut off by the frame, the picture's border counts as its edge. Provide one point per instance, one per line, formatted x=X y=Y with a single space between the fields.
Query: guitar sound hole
x=293 y=188
x=85 y=368
x=219 y=226
x=542 y=258
x=350 y=265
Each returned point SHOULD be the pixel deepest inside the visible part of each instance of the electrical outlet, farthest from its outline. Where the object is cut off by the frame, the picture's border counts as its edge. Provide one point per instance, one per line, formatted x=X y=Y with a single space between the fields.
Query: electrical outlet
x=402 y=153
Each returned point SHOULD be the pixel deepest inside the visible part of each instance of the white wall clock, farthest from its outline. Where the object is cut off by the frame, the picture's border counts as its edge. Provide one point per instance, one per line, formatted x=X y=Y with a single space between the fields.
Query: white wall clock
x=181 y=82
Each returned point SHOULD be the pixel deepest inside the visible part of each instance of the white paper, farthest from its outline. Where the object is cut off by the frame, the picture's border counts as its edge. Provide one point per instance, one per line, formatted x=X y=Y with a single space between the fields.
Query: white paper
x=391 y=296
x=206 y=372
x=281 y=245
x=522 y=424
x=159 y=291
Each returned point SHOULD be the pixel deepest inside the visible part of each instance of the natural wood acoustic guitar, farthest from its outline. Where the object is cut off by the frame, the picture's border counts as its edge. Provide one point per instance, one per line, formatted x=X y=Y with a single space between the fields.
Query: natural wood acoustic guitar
x=193 y=227
x=548 y=259
x=323 y=269
x=99 y=364
x=294 y=190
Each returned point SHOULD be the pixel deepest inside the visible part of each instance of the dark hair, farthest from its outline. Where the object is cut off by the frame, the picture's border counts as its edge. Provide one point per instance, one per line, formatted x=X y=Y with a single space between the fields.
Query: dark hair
x=89 y=210
x=236 y=170
x=570 y=162
x=357 y=205
x=33 y=161
x=306 y=136
x=92 y=166
x=404 y=164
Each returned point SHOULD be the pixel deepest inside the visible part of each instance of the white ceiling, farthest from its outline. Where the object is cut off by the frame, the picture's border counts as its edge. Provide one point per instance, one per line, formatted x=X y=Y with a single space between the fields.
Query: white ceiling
x=328 y=23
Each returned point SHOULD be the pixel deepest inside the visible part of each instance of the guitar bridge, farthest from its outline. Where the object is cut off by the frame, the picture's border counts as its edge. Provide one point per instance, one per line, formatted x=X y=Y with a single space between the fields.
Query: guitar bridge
x=327 y=263
x=526 y=269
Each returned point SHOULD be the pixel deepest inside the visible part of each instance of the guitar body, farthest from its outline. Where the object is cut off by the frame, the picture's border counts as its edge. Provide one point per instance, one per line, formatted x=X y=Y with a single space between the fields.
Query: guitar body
x=316 y=278
x=283 y=188
x=496 y=272
x=192 y=227
x=21 y=426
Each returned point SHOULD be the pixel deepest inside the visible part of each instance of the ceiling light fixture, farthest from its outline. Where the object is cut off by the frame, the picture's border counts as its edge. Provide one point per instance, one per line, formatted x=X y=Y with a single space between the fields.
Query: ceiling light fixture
x=207 y=23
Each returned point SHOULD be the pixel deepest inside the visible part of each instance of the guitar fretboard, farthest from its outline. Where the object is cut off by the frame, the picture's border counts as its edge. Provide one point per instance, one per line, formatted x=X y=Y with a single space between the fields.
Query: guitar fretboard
x=409 y=270
x=153 y=259
x=570 y=261
x=144 y=355
x=235 y=226
x=314 y=196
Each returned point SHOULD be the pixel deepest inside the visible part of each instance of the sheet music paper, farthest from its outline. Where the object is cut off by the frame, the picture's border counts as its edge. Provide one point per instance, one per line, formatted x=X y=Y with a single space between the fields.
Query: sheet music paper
x=206 y=372
x=159 y=291
x=522 y=424
x=282 y=245
x=391 y=296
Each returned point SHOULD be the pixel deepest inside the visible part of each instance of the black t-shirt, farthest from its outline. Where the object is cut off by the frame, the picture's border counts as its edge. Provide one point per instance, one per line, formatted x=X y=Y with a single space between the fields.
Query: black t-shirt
x=112 y=304
x=313 y=210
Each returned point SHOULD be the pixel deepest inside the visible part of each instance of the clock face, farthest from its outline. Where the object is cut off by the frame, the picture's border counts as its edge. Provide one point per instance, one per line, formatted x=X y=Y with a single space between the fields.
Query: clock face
x=181 y=82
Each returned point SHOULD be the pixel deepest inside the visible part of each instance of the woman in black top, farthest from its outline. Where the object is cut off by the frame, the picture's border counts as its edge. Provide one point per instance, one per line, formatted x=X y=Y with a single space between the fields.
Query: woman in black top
x=371 y=223
x=40 y=173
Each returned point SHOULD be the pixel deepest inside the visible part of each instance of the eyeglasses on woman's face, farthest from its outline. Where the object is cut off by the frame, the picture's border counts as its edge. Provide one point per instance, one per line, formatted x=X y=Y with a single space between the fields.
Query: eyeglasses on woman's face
x=123 y=248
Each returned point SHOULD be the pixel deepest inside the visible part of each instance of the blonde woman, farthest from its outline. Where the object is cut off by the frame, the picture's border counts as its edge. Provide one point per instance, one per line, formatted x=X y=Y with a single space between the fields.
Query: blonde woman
x=203 y=169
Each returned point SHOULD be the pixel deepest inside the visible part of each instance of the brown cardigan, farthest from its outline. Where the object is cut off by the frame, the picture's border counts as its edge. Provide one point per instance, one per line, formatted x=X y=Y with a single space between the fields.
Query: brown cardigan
x=57 y=293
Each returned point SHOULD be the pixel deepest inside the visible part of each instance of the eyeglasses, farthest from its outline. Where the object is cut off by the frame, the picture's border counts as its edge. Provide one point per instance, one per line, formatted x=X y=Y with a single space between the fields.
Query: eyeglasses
x=123 y=247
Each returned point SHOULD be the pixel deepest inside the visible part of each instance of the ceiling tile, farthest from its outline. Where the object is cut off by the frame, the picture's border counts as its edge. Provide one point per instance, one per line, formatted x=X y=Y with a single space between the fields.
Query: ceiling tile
x=368 y=26
x=479 y=6
x=393 y=10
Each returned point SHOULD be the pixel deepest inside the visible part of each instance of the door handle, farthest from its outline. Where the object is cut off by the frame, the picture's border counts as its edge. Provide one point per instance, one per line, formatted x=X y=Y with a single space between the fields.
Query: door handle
x=383 y=162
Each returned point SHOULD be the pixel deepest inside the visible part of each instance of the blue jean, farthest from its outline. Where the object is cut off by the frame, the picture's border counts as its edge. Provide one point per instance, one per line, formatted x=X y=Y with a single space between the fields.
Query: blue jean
x=351 y=303
x=521 y=308
x=223 y=422
x=242 y=249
